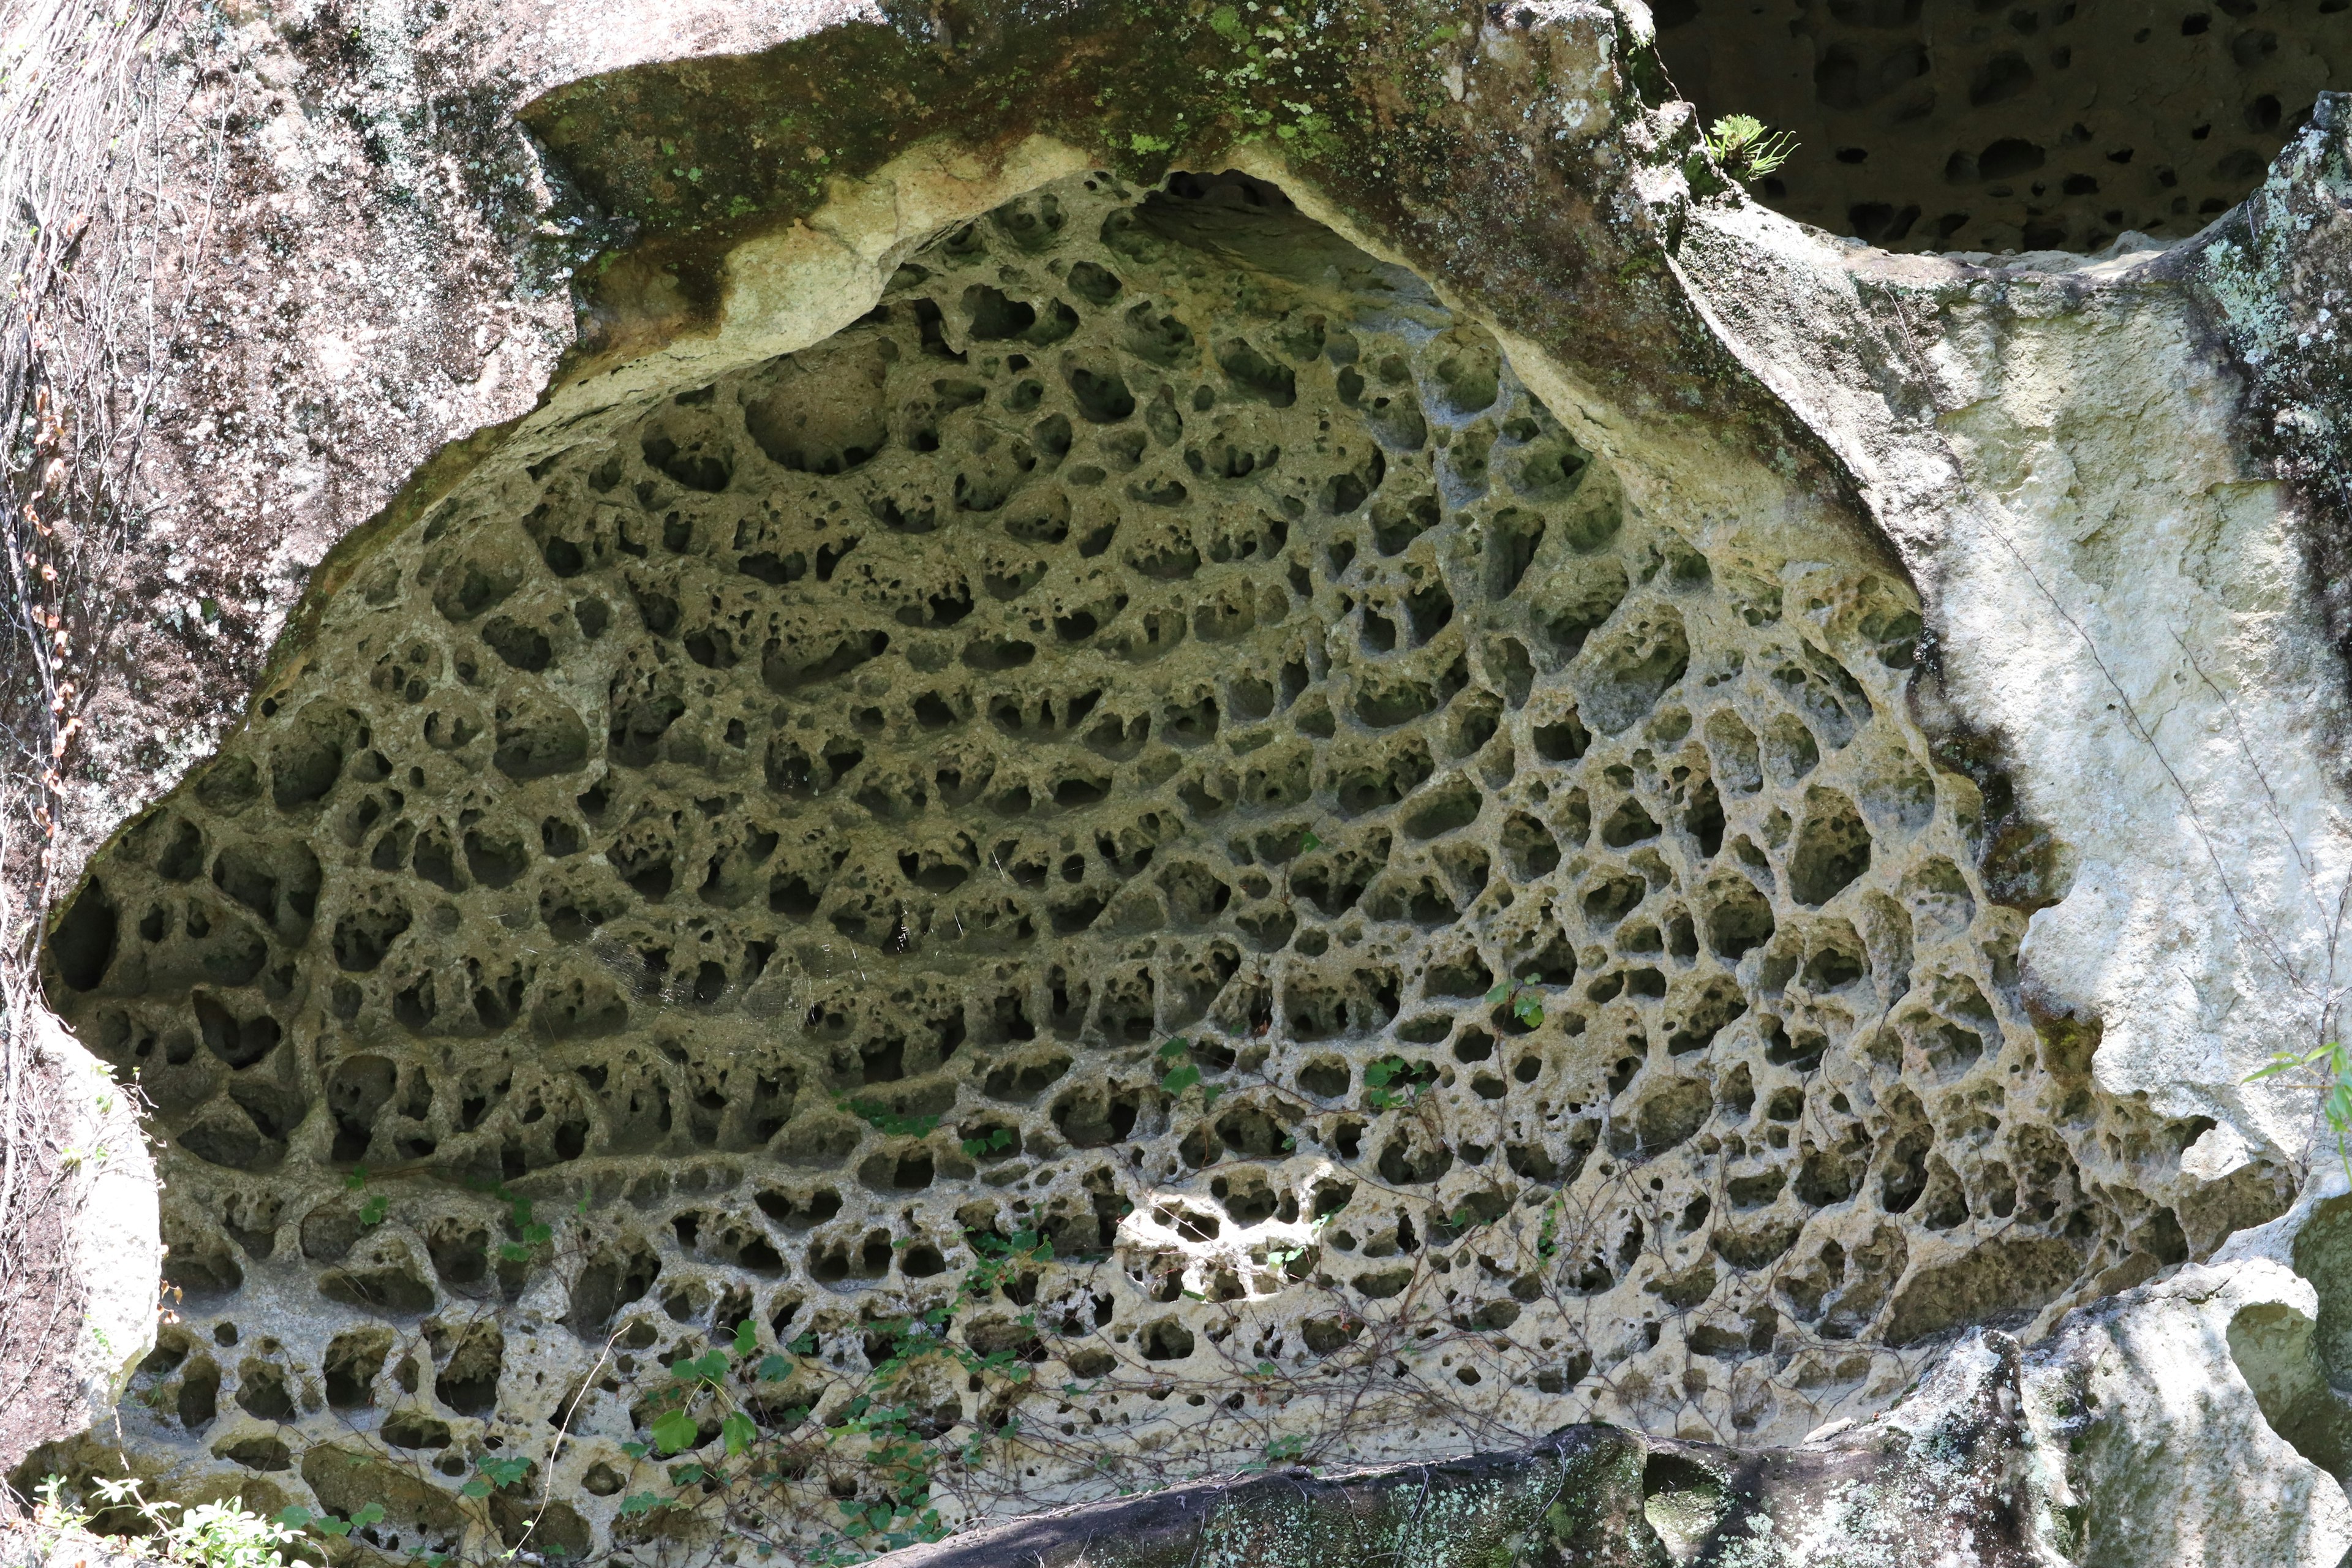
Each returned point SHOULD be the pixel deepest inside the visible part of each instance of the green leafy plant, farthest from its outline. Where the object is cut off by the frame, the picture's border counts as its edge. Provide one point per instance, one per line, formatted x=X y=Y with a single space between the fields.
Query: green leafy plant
x=1408 y=1079
x=299 y=1518
x=224 y=1535
x=371 y=1209
x=209 y=1535
x=2326 y=1071
x=1746 y=148
x=1281 y=1451
x=879 y=1427
x=494 y=1474
x=1521 y=996
x=530 y=1234
x=889 y=1122
x=993 y=1140
x=1184 y=1072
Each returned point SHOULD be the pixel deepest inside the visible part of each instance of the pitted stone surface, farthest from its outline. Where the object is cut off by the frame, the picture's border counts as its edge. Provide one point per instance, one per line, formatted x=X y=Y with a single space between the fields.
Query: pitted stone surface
x=779 y=836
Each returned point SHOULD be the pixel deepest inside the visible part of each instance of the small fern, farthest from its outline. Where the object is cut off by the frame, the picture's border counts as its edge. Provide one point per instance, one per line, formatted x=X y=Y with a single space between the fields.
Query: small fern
x=1746 y=149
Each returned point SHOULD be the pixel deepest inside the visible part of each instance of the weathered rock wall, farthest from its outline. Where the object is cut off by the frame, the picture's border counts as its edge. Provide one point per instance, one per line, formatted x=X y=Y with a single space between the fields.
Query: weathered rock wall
x=940 y=827
x=1153 y=619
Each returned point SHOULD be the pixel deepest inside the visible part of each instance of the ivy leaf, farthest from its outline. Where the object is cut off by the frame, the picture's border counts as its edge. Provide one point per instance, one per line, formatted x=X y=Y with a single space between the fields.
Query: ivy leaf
x=639 y=1503
x=1175 y=1047
x=477 y=1488
x=746 y=1339
x=774 y=1369
x=369 y=1513
x=1209 y=1093
x=739 y=1432
x=504 y=1472
x=634 y=1451
x=295 y=1517
x=357 y=1182
x=372 y=1211
x=1176 y=1080
x=1309 y=843
x=676 y=1432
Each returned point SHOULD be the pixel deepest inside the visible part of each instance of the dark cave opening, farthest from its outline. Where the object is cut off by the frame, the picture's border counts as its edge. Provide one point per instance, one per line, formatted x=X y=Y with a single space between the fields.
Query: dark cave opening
x=1989 y=125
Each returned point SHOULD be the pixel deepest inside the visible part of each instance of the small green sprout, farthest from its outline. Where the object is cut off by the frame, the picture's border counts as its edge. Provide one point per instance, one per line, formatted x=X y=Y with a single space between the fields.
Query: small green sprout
x=1410 y=1078
x=531 y=1233
x=2328 y=1071
x=1281 y=1451
x=1519 y=995
x=494 y=1474
x=1180 y=1077
x=994 y=1141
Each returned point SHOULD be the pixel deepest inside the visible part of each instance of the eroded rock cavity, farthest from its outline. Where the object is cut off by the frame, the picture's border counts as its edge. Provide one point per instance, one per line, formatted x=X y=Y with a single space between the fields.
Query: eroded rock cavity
x=774 y=841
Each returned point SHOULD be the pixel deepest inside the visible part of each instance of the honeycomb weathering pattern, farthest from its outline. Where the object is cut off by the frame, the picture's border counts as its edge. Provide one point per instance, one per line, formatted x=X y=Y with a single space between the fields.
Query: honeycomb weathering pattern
x=1155 y=618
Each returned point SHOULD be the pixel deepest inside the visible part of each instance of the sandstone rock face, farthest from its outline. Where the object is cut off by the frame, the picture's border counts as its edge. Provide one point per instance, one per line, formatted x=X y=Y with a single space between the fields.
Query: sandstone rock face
x=1135 y=801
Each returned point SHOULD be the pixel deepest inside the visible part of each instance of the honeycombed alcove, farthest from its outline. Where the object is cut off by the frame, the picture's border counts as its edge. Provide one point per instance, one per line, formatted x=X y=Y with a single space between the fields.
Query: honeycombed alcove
x=1989 y=126
x=771 y=841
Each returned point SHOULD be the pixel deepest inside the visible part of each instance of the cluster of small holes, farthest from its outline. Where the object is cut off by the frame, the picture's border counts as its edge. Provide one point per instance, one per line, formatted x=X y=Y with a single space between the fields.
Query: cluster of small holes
x=778 y=835
x=1999 y=126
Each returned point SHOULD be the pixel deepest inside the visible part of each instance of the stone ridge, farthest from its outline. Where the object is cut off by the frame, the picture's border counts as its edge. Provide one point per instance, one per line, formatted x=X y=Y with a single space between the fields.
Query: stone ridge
x=779 y=835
